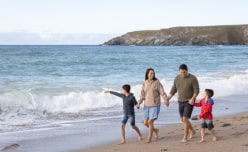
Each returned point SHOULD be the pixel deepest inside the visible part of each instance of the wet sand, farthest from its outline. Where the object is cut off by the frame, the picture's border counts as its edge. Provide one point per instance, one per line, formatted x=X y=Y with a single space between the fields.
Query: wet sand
x=232 y=133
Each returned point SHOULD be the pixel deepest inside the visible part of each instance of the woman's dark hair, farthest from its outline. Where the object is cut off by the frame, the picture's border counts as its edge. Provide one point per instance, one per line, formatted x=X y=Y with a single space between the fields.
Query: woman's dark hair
x=183 y=67
x=209 y=92
x=126 y=87
x=147 y=72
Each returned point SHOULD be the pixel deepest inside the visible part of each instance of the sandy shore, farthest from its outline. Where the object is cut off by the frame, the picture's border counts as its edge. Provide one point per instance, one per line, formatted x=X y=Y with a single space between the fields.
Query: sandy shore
x=232 y=132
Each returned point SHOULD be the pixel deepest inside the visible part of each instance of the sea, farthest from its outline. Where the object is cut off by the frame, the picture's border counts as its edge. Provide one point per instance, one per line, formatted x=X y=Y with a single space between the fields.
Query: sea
x=52 y=95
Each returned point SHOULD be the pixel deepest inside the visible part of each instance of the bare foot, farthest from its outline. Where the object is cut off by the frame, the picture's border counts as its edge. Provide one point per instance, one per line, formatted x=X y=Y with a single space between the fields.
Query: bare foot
x=156 y=133
x=122 y=142
x=148 y=141
x=183 y=140
x=214 y=138
x=191 y=134
x=201 y=141
x=140 y=138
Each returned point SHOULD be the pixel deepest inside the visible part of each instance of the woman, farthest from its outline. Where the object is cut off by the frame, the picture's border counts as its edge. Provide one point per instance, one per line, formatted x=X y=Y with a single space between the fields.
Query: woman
x=151 y=91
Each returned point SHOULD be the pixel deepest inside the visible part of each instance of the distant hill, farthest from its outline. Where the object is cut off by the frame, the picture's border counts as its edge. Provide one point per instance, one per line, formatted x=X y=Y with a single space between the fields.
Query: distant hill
x=179 y=36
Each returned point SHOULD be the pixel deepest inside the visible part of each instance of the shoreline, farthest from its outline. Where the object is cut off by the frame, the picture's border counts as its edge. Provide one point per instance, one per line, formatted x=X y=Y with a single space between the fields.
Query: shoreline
x=231 y=130
x=104 y=135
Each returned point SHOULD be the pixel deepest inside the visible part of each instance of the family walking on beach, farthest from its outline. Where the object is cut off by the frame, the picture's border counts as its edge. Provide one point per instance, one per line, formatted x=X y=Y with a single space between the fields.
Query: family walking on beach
x=187 y=87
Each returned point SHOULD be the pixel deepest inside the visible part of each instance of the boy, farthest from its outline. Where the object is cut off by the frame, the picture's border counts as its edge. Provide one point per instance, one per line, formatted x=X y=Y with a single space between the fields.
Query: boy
x=129 y=102
x=206 y=116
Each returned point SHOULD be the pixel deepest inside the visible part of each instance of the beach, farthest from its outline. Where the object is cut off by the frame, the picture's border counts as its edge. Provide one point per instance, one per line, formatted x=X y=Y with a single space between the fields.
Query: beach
x=232 y=133
x=54 y=95
x=73 y=74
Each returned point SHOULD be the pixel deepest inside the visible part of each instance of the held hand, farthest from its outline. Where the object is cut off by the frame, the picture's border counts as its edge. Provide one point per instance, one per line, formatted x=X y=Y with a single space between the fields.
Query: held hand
x=169 y=97
x=198 y=117
x=138 y=106
x=167 y=103
x=191 y=101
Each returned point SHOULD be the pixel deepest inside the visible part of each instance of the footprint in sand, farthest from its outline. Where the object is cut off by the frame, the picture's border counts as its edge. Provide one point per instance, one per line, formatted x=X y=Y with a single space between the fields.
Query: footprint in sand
x=225 y=125
x=244 y=117
x=164 y=149
x=220 y=138
x=171 y=132
x=238 y=133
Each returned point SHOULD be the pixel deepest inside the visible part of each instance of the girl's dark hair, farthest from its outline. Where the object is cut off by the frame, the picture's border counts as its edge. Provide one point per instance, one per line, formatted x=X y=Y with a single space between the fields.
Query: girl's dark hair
x=209 y=92
x=183 y=67
x=147 y=72
x=126 y=87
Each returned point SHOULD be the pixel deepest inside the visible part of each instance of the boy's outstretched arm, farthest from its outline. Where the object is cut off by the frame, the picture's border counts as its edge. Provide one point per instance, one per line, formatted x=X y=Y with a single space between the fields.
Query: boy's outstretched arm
x=114 y=93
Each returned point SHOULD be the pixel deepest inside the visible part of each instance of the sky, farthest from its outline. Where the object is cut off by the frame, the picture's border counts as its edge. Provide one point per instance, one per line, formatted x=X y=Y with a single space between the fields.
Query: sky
x=96 y=21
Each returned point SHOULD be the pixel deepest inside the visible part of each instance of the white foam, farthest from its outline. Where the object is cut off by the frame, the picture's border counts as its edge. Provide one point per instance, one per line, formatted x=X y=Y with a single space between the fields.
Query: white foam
x=74 y=101
x=25 y=107
x=226 y=85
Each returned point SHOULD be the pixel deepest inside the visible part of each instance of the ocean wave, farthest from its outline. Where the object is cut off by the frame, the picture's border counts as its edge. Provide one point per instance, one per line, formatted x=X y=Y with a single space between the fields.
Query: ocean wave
x=76 y=101
x=225 y=84
x=22 y=110
x=67 y=102
x=27 y=107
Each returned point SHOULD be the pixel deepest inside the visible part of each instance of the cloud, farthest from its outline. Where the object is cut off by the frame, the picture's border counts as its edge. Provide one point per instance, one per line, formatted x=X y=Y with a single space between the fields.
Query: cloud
x=48 y=38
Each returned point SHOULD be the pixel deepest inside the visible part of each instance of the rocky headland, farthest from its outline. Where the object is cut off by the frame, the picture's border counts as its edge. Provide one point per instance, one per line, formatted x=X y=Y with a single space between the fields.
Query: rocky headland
x=179 y=36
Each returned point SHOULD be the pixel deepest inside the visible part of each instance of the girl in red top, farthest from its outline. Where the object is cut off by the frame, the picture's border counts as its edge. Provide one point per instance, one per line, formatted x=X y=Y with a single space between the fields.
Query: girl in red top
x=206 y=116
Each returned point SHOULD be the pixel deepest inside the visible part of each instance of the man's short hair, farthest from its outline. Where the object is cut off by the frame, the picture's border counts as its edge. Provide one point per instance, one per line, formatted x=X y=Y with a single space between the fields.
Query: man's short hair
x=183 y=67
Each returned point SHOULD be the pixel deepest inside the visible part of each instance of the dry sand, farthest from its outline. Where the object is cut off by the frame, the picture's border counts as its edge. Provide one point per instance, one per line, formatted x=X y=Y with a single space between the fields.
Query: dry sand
x=232 y=133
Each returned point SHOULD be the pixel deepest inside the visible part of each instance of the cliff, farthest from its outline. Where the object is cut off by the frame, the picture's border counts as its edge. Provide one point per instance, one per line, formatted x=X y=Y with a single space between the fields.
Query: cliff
x=179 y=36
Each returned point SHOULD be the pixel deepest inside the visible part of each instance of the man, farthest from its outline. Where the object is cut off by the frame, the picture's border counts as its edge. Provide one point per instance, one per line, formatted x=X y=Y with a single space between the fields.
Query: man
x=187 y=87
